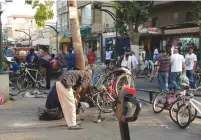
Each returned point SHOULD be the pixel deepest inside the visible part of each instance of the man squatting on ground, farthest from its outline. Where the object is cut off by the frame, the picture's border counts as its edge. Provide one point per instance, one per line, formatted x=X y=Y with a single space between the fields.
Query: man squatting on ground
x=65 y=93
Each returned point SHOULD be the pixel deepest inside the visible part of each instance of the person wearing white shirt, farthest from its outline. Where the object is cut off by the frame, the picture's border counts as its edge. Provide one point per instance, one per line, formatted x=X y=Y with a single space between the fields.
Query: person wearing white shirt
x=125 y=61
x=134 y=61
x=108 y=55
x=155 y=53
x=191 y=60
x=177 y=63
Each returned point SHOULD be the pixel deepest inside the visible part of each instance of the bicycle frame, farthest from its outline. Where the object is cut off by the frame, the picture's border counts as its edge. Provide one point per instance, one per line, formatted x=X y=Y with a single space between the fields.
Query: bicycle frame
x=36 y=76
x=194 y=102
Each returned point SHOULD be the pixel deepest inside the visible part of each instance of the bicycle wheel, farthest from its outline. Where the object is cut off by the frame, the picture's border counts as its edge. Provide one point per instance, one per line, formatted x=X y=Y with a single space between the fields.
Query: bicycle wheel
x=193 y=113
x=147 y=73
x=153 y=74
x=105 y=102
x=184 y=116
x=124 y=79
x=159 y=102
x=22 y=82
x=174 y=108
x=41 y=81
x=197 y=83
x=13 y=89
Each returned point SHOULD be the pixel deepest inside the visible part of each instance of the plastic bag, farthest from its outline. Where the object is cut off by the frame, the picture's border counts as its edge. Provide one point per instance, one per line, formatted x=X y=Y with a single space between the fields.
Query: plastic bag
x=184 y=81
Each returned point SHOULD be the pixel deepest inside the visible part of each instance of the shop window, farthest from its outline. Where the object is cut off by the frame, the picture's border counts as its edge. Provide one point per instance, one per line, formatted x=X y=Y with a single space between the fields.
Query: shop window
x=154 y=22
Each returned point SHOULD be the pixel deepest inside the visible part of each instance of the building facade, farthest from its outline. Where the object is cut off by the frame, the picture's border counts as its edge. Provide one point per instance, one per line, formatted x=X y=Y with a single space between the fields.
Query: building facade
x=99 y=23
x=20 y=22
x=177 y=24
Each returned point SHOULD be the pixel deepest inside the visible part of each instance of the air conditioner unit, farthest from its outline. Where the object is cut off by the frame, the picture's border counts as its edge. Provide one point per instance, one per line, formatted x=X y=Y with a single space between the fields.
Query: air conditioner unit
x=107 y=25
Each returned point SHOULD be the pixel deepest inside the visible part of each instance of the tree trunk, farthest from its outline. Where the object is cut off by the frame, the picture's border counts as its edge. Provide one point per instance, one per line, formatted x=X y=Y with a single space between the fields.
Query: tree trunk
x=76 y=38
x=134 y=38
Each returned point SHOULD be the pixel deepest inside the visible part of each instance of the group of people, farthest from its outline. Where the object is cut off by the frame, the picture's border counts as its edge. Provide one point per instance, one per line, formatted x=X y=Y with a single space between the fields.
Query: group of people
x=170 y=68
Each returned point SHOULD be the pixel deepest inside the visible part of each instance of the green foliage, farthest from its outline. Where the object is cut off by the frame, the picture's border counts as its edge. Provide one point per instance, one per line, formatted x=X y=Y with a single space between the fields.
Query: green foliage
x=197 y=11
x=44 y=11
x=131 y=12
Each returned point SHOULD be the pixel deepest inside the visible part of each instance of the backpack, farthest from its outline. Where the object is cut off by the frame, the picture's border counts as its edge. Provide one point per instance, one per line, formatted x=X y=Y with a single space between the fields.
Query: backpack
x=1 y=98
x=49 y=114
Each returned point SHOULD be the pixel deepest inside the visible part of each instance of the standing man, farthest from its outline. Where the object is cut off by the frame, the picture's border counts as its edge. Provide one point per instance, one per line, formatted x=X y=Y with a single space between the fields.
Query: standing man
x=163 y=70
x=65 y=93
x=71 y=59
x=134 y=63
x=108 y=55
x=177 y=63
x=31 y=56
x=191 y=61
x=45 y=66
x=156 y=53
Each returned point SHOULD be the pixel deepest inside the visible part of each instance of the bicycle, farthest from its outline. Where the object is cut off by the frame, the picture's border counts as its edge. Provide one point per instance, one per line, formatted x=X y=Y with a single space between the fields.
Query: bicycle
x=171 y=101
x=198 y=81
x=30 y=76
x=13 y=87
x=186 y=110
x=97 y=91
x=153 y=73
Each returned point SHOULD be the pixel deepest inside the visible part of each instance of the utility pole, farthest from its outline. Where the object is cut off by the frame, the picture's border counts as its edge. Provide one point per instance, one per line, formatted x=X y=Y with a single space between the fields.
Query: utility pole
x=76 y=36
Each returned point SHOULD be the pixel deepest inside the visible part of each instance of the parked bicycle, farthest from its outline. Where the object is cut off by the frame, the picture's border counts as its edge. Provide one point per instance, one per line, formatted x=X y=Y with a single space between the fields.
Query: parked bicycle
x=187 y=112
x=30 y=76
x=169 y=101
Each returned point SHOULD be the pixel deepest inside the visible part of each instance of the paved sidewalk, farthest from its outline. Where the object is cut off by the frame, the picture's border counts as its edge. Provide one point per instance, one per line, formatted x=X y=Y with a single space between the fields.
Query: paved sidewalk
x=19 y=122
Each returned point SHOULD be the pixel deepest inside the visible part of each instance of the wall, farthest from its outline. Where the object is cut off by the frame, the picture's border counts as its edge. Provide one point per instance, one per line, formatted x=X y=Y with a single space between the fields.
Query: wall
x=20 y=24
x=107 y=20
x=173 y=13
x=4 y=86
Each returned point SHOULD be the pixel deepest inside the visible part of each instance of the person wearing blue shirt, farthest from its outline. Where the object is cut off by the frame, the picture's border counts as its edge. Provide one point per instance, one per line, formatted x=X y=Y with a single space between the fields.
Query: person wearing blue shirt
x=71 y=59
x=15 y=64
x=31 y=56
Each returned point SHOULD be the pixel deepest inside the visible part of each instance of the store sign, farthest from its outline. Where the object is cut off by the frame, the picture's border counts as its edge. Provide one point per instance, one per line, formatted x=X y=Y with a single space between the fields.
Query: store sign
x=73 y=12
x=150 y=30
x=96 y=27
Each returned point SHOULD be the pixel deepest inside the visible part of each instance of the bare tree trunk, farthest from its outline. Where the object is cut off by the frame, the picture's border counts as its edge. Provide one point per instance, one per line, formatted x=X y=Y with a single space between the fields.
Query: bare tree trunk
x=134 y=38
x=76 y=38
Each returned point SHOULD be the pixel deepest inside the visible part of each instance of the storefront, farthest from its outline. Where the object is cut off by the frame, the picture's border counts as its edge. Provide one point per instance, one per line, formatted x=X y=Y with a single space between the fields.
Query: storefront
x=150 y=38
x=64 y=44
x=185 y=37
x=95 y=42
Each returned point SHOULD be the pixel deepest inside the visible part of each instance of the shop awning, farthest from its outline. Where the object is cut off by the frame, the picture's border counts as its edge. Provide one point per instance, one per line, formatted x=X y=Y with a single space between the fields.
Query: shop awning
x=65 y=40
x=83 y=31
x=42 y=41
x=182 y=31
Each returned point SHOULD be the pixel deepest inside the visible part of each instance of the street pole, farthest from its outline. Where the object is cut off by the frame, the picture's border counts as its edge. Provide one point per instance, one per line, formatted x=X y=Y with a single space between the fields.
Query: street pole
x=57 y=35
x=76 y=36
x=1 y=47
x=29 y=39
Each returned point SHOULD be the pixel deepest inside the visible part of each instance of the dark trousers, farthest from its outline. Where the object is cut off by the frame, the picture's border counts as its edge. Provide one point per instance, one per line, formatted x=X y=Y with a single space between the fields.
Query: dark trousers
x=191 y=77
x=163 y=80
x=70 y=66
x=52 y=99
x=175 y=80
x=48 y=77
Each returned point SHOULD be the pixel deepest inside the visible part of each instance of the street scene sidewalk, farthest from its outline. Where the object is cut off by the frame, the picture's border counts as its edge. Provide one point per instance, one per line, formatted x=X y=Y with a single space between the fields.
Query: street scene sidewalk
x=19 y=121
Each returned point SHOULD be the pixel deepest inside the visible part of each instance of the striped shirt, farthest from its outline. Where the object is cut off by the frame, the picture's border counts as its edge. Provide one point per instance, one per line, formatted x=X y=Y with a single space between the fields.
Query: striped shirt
x=164 y=62
x=74 y=77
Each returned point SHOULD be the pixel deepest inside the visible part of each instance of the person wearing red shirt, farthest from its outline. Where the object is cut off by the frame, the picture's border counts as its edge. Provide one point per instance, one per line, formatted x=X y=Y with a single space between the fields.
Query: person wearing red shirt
x=91 y=56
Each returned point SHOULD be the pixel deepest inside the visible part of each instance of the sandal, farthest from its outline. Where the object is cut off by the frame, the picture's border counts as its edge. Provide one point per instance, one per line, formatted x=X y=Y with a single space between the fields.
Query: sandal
x=76 y=127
